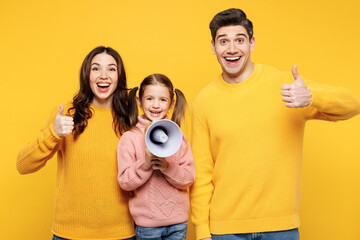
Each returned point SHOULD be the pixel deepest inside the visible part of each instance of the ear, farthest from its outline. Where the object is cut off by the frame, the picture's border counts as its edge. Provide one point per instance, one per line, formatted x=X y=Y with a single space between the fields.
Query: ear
x=252 y=44
x=138 y=101
x=213 y=46
x=172 y=103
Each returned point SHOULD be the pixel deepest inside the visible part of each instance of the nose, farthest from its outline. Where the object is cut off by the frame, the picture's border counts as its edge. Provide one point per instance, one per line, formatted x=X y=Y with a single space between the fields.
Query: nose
x=232 y=47
x=156 y=104
x=103 y=74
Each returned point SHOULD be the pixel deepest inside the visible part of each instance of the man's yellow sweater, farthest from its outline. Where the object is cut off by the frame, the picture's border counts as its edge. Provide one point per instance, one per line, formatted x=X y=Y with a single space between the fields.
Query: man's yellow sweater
x=247 y=148
x=89 y=203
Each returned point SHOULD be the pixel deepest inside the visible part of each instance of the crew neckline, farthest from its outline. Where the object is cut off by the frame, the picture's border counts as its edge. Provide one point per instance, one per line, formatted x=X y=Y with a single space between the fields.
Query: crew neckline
x=236 y=86
x=96 y=108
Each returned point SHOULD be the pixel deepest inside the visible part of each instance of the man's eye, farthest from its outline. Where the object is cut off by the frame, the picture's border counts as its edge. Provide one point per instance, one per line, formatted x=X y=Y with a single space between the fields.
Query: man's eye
x=222 y=41
x=240 y=40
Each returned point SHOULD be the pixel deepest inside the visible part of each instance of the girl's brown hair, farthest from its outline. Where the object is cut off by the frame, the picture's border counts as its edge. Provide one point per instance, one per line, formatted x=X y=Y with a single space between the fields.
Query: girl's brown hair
x=180 y=104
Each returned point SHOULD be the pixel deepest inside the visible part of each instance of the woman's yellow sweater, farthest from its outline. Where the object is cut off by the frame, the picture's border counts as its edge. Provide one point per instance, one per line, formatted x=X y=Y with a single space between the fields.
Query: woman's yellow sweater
x=89 y=203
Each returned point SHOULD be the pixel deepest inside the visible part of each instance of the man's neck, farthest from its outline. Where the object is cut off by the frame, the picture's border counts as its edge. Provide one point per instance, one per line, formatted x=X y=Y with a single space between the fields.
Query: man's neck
x=240 y=77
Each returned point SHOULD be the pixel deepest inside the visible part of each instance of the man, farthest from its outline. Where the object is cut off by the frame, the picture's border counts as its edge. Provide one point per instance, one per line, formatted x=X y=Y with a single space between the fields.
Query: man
x=247 y=143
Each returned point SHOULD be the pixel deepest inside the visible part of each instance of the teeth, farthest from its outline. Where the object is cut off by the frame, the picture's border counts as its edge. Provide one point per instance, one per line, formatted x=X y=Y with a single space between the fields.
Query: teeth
x=232 y=58
x=103 y=84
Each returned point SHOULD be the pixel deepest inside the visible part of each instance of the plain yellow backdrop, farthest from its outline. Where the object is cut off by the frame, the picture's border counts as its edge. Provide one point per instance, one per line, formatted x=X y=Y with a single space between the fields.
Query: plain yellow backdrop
x=43 y=43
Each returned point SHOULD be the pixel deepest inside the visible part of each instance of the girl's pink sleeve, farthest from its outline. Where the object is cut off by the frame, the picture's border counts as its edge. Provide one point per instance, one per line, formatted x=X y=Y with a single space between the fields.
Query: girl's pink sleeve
x=181 y=170
x=133 y=170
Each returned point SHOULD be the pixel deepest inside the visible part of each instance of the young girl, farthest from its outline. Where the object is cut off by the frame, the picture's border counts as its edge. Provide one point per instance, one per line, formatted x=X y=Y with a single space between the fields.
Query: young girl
x=159 y=202
x=89 y=203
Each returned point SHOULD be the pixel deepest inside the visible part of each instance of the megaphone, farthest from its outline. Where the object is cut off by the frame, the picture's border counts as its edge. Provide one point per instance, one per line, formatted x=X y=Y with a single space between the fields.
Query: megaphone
x=163 y=138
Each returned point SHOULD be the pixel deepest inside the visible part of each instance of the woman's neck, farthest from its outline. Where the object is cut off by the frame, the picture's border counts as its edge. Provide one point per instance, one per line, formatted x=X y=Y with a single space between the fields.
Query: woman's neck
x=102 y=104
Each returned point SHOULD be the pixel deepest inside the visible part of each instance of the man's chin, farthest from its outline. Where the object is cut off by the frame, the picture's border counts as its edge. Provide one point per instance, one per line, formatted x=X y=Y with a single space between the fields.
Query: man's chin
x=233 y=74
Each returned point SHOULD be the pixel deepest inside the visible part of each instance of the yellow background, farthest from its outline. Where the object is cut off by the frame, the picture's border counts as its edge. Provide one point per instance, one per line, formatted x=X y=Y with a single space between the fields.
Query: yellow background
x=43 y=43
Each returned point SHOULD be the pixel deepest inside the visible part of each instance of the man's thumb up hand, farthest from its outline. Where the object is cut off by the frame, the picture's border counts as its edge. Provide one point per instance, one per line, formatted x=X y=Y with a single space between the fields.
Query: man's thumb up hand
x=296 y=94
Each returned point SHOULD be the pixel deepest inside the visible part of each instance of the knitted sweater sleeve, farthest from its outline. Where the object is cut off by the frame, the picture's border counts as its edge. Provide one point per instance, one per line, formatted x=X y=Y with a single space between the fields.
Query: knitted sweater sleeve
x=202 y=189
x=181 y=169
x=330 y=103
x=134 y=171
x=35 y=155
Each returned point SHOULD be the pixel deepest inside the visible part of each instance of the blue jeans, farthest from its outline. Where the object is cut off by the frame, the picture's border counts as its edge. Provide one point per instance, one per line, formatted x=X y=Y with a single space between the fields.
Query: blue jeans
x=171 y=232
x=60 y=238
x=292 y=234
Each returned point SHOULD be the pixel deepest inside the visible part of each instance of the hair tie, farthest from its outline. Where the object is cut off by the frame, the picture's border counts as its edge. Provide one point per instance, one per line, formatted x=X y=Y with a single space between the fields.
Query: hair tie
x=174 y=89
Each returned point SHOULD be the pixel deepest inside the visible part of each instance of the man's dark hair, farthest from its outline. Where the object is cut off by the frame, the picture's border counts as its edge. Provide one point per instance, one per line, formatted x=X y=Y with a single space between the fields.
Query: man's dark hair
x=231 y=17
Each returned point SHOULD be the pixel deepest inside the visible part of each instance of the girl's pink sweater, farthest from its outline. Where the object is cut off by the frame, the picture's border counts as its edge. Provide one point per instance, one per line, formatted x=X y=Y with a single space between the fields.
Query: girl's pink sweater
x=158 y=198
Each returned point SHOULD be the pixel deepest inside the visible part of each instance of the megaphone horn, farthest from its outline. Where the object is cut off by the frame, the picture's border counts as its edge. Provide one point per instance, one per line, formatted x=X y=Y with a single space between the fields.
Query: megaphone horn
x=163 y=138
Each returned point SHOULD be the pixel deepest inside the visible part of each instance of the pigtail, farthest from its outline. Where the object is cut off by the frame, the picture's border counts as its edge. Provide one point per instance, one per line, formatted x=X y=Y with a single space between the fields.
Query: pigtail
x=180 y=107
x=132 y=107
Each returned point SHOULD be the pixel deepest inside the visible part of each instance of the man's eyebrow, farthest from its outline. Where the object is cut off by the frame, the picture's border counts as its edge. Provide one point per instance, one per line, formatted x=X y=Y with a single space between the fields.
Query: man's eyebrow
x=242 y=34
x=239 y=34
x=221 y=35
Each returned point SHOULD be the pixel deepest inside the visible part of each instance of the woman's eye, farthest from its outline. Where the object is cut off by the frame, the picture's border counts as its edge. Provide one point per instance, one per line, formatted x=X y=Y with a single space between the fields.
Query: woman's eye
x=112 y=69
x=95 y=69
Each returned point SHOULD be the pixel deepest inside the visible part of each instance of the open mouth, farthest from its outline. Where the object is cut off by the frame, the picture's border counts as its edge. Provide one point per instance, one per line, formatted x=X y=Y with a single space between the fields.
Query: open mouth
x=103 y=85
x=155 y=113
x=232 y=59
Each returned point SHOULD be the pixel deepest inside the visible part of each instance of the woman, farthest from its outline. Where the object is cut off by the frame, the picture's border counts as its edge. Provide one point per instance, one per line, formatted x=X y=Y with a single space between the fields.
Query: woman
x=89 y=203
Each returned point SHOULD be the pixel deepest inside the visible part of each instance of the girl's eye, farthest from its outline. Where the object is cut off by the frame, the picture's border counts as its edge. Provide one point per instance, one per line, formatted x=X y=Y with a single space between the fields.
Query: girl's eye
x=164 y=100
x=148 y=98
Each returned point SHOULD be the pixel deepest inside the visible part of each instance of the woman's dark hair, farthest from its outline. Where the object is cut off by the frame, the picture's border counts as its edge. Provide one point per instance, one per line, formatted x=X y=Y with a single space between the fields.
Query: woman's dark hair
x=157 y=79
x=81 y=110
x=231 y=17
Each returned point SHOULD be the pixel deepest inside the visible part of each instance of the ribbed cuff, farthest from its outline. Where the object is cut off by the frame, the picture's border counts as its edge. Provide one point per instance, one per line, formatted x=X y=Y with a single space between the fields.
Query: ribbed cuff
x=172 y=168
x=202 y=231
x=53 y=132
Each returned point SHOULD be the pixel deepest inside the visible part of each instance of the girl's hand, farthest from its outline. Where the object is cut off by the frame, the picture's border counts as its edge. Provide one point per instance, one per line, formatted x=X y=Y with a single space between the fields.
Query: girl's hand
x=148 y=156
x=160 y=164
x=157 y=162
x=63 y=125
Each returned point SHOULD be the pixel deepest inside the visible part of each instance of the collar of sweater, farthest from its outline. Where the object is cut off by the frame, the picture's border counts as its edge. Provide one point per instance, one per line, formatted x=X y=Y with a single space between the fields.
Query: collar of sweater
x=143 y=122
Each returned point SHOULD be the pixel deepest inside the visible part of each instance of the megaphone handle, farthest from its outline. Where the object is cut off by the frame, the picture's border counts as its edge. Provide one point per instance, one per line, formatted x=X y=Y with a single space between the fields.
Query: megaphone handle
x=156 y=164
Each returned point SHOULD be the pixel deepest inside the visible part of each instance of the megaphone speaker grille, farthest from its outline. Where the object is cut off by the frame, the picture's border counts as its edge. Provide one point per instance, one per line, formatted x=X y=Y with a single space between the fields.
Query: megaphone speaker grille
x=155 y=140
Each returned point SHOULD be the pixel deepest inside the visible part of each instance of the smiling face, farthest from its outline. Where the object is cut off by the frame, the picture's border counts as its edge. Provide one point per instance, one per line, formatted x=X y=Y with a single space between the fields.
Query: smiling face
x=103 y=79
x=232 y=48
x=155 y=101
